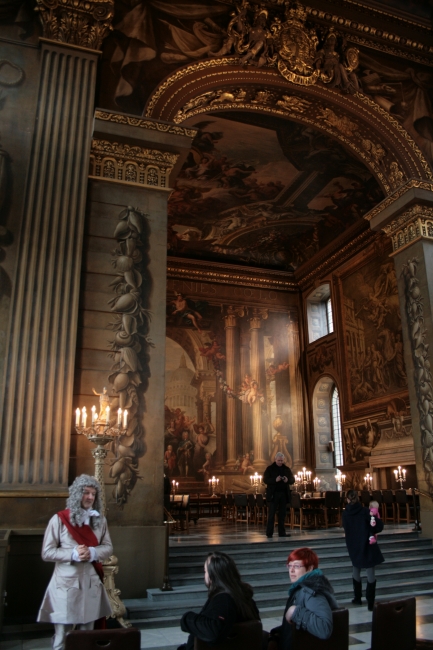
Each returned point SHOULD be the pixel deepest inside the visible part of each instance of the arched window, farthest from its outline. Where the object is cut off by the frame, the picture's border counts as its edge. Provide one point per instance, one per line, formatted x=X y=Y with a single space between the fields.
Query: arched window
x=319 y=313
x=336 y=428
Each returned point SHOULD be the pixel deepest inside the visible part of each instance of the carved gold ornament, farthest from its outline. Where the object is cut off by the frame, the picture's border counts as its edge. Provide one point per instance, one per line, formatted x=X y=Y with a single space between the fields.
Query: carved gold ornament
x=77 y=22
x=414 y=224
x=123 y=163
x=342 y=123
x=292 y=103
x=151 y=125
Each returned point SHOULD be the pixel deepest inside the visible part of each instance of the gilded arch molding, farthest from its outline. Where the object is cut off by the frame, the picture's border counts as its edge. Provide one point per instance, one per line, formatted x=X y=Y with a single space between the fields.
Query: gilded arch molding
x=374 y=136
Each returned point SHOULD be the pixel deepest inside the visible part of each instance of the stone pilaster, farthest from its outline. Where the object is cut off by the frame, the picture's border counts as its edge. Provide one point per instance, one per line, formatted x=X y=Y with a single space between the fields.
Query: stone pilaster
x=260 y=437
x=296 y=392
x=232 y=373
x=36 y=409
x=408 y=221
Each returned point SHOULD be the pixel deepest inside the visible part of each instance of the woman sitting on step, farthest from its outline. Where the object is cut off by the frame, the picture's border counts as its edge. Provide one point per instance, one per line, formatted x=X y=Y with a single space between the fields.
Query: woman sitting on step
x=229 y=601
x=310 y=603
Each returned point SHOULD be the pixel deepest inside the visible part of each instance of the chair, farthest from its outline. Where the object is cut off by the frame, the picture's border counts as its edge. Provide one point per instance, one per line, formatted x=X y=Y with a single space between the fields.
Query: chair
x=339 y=639
x=223 y=502
x=180 y=510
x=260 y=509
x=365 y=498
x=230 y=508
x=332 y=509
x=296 y=511
x=119 y=639
x=241 y=508
x=402 y=506
x=252 y=508
x=244 y=636
x=388 y=506
x=394 y=625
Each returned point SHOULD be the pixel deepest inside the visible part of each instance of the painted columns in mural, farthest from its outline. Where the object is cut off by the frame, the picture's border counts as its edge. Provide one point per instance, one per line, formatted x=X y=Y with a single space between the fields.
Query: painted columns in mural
x=245 y=408
x=296 y=392
x=260 y=436
x=36 y=408
x=232 y=370
x=408 y=221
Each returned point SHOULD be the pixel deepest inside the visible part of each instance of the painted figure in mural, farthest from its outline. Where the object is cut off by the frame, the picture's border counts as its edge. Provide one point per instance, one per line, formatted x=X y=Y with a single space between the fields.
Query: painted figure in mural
x=212 y=351
x=246 y=464
x=104 y=401
x=206 y=470
x=366 y=441
x=377 y=375
x=183 y=309
x=184 y=454
x=201 y=441
x=169 y=460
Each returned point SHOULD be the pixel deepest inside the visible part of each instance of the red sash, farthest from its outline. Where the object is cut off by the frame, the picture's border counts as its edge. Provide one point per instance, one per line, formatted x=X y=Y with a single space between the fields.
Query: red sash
x=82 y=535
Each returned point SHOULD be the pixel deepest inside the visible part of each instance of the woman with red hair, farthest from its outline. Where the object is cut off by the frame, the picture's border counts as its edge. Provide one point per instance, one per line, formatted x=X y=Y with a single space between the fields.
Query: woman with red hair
x=311 y=600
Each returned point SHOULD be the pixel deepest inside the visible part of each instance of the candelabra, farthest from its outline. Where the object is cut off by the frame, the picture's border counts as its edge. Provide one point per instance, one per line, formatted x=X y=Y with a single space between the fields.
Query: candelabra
x=368 y=478
x=316 y=483
x=256 y=480
x=174 y=487
x=340 y=479
x=305 y=478
x=213 y=484
x=101 y=433
x=400 y=475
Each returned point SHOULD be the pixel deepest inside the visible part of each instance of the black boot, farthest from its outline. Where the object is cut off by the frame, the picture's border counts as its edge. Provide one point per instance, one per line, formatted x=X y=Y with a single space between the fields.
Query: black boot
x=357 y=590
x=370 y=593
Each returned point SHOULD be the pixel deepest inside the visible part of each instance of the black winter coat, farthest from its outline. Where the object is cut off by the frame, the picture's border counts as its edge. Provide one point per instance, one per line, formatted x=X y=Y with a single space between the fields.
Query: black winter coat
x=214 y=623
x=356 y=523
x=270 y=478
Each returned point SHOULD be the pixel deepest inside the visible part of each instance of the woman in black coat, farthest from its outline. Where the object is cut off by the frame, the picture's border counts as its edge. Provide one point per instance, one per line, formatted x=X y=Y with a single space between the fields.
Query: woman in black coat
x=229 y=601
x=359 y=527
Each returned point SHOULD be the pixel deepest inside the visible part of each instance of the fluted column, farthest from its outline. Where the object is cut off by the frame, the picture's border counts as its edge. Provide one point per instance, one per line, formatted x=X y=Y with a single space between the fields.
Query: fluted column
x=232 y=376
x=245 y=408
x=260 y=437
x=296 y=392
x=36 y=408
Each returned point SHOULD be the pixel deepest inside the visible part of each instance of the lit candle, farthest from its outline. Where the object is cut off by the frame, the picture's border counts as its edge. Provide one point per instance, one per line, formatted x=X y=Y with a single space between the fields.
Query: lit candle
x=404 y=473
x=119 y=416
x=177 y=484
x=125 y=418
x=84 y=416
x=173 y=483
x=93 y=414
x=77 y=417
x=395 y=473
x=107 y=414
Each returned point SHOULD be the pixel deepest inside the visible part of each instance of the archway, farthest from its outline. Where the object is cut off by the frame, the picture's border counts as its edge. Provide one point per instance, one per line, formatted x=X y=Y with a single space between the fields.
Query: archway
x=327 y=431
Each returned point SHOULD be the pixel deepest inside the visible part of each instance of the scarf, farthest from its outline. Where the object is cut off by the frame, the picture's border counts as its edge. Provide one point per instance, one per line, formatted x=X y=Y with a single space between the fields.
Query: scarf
x=82 y=535
x=314 y=572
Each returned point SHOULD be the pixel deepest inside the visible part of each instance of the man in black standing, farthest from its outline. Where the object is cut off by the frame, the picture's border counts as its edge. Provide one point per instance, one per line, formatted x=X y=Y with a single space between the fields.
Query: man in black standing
x=278 y=477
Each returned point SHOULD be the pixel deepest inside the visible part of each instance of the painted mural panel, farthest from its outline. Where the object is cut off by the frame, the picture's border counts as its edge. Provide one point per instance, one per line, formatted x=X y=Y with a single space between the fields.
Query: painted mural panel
x=222 y=358
x=270 y=193
x=373 y=336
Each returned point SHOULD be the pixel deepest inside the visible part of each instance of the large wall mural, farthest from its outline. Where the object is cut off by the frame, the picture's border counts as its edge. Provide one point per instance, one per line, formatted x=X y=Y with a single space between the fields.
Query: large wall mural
x=373 y=335
x=271 y=194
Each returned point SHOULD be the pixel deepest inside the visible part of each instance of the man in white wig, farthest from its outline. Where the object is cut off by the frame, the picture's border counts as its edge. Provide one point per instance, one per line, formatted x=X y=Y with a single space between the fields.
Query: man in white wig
x=77 y=540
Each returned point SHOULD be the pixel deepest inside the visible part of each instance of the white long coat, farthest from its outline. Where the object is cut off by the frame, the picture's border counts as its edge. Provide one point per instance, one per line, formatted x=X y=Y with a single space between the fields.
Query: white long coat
x=75 y=593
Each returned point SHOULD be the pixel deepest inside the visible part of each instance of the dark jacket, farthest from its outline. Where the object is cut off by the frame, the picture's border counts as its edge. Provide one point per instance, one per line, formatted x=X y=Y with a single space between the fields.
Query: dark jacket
x=356 y=523
x=270 y=478
x=215 y=621
x=314 y=599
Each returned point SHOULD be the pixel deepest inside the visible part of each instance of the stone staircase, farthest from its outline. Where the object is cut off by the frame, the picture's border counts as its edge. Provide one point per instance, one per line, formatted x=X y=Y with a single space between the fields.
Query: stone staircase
x=408 y=569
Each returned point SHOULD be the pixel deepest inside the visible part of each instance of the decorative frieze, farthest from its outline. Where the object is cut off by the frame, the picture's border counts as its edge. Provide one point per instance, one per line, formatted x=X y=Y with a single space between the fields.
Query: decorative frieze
x=151 y=125
x=76 y=22
x=126 y=164
x=416 y=223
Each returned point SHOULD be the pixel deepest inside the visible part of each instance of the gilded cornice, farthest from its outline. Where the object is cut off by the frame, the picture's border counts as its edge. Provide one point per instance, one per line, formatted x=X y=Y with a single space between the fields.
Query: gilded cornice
x=123 y=163
x=392 y=198
x=151 y=125
x=84 y=23
x=193 y=270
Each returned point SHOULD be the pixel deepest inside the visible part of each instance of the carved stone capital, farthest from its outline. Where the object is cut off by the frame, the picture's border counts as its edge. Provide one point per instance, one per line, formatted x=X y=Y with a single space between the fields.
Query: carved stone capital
x=410 y=226
x=233 y=313
x=259 y=314
x=84 y=23
x=126 y=164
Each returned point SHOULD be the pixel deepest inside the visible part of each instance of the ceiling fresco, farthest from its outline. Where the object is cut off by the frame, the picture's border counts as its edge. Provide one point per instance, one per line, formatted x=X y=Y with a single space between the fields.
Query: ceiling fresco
x=265 y=192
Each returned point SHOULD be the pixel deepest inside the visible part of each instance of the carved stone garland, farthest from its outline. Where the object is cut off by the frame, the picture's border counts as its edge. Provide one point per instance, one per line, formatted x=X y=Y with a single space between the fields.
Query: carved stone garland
x=130 y=344
x=422 y=373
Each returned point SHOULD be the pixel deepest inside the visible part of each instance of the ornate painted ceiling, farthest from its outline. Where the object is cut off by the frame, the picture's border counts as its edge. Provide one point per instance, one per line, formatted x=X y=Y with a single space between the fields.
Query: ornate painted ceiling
x=262 y=190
